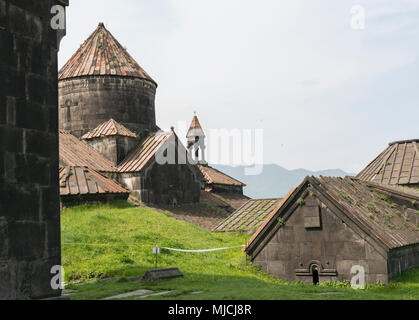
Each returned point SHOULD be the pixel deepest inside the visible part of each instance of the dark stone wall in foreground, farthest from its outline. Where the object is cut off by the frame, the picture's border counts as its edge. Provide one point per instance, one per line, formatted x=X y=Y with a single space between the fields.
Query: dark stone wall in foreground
x=29 y=194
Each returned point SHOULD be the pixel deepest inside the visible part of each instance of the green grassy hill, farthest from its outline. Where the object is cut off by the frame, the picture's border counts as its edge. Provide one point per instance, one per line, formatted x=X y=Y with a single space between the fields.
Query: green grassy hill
x=116 y=240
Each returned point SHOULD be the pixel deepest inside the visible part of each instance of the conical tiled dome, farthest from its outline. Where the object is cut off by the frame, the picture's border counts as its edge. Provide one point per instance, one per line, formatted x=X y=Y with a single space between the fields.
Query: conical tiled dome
x=397 y=165
x=101 y=82
x=195 y=129
x=102 y=54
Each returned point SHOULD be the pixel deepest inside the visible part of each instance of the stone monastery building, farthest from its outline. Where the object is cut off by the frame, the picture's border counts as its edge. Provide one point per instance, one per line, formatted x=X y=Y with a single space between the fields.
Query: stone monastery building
x=107 y=124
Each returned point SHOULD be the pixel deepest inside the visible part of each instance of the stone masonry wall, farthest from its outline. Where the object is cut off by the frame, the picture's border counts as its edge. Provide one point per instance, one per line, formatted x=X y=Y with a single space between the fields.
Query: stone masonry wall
x=85 y=103
x=334 y=246
x=114 y=148
x=29 y=194
x=171 y=184
x=403 y=259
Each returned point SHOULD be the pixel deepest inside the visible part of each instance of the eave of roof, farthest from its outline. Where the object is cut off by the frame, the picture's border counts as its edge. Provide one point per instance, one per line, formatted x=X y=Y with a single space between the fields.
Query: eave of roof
x=74 y=152
x=78 y=181
x=214 y=176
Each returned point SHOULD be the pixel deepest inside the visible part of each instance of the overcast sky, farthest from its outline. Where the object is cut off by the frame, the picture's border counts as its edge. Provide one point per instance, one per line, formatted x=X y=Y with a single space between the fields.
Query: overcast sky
x=326 y=95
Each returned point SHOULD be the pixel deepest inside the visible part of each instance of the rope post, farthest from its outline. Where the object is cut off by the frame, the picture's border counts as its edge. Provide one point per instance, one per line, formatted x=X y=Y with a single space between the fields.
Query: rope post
x=156 y=250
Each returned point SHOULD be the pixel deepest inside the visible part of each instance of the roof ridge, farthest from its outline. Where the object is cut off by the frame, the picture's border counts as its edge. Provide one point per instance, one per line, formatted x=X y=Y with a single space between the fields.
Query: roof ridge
x=105 y=129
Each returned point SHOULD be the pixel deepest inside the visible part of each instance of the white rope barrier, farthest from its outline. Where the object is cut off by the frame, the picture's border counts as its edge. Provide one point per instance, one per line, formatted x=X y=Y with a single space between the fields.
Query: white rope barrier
x=203 y=250
x=136 y=245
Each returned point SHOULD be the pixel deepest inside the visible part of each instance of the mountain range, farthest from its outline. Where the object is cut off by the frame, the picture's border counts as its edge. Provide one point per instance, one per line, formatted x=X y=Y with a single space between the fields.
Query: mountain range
x=275 y=181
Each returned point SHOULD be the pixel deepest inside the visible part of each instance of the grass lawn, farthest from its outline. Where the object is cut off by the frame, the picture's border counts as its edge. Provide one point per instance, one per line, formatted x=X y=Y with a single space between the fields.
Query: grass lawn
x=116 y=240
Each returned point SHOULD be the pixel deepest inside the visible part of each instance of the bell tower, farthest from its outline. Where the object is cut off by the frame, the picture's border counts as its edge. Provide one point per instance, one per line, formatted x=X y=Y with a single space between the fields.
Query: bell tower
x=196 y=141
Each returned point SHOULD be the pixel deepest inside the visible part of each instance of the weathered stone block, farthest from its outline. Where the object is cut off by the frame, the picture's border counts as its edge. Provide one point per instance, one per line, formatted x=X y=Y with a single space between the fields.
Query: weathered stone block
x=372 y=253
x=344 y=267
x=26 y=240
x=8 y=280
x=2 y=169
x=3 y=16
x=6 y=41
x=31 y=115
x=19 y=203
x=4 y=239
x=161 y=274
x=9 y=166
x=310 y=250
x=353 y=250
x=50 y=208
x=11 y=139
x=261 y=256
x=276 y=268
x=377 y=266
x=32 y=169
x=3 y=109
x=11 y=110
x=53 y=238
x=286 y=233
x=41 y=284
x=36 y=88
x=333 y=249
x=41 y=143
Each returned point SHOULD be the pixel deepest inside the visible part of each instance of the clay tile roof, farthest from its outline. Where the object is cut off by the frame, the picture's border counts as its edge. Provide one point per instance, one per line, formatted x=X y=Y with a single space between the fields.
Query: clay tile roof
x=74 y=152
x=195 y=129
x=234 y=200
x=248 y=217
x=214 y=176
x=397 y=165
x=363 y=204
x=109 y=128
x=212 y=200
x=102 y=54
x=84 y=181
x=138 y=158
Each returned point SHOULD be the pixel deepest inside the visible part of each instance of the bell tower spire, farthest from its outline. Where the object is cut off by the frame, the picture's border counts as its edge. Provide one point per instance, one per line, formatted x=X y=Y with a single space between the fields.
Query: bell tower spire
x=196 y=140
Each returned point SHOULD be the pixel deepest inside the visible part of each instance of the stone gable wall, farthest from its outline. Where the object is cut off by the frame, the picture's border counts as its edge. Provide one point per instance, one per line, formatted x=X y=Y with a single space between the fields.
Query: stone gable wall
x=334 y=247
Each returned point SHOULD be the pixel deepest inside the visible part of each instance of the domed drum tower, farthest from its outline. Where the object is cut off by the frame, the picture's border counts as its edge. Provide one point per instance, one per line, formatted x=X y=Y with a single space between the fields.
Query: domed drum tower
x=102 y=81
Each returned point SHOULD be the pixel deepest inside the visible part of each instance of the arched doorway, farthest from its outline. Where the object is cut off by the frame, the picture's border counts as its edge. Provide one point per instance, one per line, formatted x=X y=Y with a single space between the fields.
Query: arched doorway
x=315 y=272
